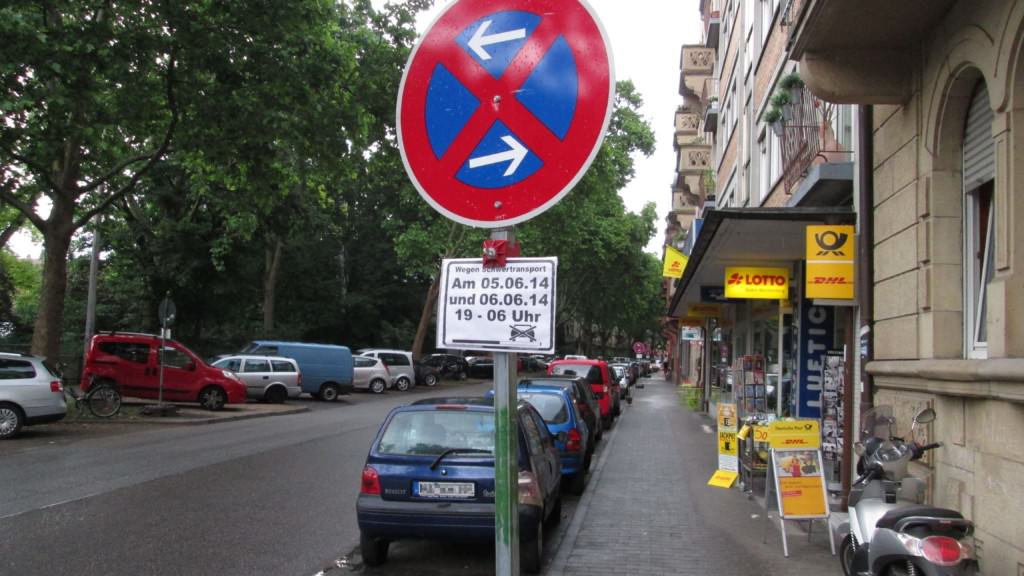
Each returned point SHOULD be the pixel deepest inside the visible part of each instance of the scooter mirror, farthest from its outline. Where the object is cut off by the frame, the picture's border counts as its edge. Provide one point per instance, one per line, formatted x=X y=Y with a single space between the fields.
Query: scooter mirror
x=925 y=416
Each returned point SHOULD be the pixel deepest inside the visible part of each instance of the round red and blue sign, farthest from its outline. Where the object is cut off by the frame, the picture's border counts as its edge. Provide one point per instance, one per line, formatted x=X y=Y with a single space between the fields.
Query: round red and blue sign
x=503 y=106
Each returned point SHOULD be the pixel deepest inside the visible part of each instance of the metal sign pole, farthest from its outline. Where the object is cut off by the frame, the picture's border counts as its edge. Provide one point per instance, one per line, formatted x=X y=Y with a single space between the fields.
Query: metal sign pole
x=506 y=450
x=160 y=356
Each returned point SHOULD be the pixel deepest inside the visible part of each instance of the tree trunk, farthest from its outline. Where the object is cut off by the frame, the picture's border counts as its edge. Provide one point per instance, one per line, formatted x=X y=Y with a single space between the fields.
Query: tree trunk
x=270 y=273
x=46 y=335
x=425 y=315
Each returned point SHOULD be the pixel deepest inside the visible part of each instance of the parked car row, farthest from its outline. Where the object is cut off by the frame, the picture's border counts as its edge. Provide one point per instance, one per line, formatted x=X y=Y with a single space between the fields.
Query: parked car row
x=147 y=366
x=429 y=472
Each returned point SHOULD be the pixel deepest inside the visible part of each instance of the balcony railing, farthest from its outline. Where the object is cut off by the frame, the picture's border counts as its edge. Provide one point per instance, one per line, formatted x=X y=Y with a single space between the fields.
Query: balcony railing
x=710 y=89
x=806 y=135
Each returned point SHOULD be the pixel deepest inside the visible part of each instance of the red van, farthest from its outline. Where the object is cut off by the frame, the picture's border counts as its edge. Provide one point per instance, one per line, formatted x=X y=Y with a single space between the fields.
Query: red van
x=601 y=381
x=131 y=362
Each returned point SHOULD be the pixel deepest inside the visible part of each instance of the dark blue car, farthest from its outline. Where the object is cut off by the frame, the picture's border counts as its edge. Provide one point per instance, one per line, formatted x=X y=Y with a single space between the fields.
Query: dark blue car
x=430 y=475
x=572 y=436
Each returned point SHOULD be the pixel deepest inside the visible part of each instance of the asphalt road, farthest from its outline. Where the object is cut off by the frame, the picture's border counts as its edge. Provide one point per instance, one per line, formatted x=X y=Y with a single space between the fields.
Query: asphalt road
x=268 y=496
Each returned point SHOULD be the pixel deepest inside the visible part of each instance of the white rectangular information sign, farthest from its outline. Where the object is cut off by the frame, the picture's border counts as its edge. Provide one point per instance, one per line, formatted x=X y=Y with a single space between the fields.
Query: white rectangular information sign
x=501 y=309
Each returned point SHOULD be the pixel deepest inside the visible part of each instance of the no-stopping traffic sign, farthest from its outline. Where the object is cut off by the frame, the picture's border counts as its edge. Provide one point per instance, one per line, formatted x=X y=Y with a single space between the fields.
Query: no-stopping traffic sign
x=503 y=106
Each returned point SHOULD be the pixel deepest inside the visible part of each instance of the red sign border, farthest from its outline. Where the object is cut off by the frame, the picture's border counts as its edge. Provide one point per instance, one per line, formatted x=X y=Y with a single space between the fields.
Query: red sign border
x=467 y=12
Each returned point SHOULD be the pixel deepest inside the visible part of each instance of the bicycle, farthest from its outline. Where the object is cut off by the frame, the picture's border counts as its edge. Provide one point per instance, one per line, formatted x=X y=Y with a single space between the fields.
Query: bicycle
x=102 y=400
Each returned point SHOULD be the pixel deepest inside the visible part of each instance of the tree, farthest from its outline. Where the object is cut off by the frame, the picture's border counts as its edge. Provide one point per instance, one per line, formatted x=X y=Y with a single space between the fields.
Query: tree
x=88 y=100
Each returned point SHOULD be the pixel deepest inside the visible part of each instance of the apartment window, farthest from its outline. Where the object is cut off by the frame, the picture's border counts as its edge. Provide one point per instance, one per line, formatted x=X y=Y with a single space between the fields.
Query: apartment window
x=775 y=159
x=766 y=12
x=844 y=127
x=764 y=168
x=732 y=98
x=979 y=206
x=744 y=195
x=729 y=196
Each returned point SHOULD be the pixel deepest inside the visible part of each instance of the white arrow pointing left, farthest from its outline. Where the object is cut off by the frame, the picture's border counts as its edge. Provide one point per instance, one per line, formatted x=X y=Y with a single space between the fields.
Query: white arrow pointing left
x=514 y=156
x=479 y=41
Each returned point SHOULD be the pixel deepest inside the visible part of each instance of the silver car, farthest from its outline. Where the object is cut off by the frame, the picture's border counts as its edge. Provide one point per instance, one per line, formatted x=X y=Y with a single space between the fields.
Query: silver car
x=399 y=363
x=371 y=374
x=30 y=393
x=270 y=378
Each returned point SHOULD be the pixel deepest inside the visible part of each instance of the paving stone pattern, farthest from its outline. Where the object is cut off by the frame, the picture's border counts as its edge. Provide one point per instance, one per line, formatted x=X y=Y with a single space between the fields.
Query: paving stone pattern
x=651 y=511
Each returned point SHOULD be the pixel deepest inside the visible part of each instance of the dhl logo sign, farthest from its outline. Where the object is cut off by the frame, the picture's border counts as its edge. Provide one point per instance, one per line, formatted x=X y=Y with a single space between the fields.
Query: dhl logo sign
x=757 y=283
x=796 y=434
x=830 y=254
x=830 y=280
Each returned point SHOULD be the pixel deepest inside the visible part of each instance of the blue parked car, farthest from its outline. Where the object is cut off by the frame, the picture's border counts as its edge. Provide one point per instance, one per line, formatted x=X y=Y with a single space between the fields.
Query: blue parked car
x=561 y=417
x=430 y=475
x=327 y=370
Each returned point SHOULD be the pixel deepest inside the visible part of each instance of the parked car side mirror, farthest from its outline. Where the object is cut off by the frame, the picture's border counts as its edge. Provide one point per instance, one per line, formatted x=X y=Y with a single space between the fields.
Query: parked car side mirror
x=191 y=366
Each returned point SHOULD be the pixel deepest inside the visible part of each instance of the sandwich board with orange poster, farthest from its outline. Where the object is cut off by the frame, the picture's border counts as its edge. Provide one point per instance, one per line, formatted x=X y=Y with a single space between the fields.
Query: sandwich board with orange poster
x=797 y=475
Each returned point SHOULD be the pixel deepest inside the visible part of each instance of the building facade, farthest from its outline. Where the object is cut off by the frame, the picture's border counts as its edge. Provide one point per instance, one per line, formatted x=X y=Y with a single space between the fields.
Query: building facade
x=944 y=80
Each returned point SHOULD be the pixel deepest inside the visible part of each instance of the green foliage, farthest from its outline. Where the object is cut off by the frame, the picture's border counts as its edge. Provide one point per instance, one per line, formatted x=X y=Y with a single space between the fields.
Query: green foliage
x=790 y=81
x=20 y=281
x=285 y=145
x=780 y=99
x=772 y=115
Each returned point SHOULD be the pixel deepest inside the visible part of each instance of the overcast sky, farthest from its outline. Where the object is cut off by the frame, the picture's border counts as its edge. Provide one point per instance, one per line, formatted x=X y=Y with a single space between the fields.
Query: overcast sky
x=646 y=37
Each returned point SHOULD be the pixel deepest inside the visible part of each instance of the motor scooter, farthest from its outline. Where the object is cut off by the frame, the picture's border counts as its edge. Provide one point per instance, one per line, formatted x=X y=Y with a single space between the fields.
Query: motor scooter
x=889 y=531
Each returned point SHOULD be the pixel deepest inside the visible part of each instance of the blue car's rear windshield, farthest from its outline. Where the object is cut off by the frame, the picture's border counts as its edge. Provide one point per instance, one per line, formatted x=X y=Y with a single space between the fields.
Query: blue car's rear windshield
x=431 y=432
x=551 y=406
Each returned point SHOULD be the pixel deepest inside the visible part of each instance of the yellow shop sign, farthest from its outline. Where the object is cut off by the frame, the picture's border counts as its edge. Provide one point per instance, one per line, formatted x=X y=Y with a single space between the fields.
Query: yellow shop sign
x=803 y=434
x=757 y=283
x=703 y=310
x=830 y=262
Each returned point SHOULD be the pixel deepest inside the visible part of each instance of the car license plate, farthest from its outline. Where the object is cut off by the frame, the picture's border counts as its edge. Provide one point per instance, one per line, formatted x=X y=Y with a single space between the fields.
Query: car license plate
x=445 y=489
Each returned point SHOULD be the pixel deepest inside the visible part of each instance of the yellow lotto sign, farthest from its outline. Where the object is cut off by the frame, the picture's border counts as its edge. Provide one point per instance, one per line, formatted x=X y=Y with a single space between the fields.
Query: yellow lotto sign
x=784 y=435
x=757 y=283
x=691 y=322
x=831 y=254
x=675 y=263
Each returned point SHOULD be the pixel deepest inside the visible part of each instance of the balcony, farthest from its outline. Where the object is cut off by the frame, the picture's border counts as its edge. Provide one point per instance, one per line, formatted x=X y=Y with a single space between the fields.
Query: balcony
x=697 y=63
x=710 y=89
x=694 y=157
x=807 y=137
x=712 y=25
x=859 y=52
x=711 y=118
x=687 y=126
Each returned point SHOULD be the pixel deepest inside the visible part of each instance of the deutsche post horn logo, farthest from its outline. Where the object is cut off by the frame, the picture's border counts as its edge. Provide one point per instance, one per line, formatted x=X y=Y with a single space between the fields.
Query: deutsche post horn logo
x=829 y=242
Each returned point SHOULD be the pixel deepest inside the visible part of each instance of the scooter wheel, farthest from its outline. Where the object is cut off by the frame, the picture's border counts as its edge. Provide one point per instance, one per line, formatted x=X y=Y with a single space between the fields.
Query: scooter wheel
x=846 y=552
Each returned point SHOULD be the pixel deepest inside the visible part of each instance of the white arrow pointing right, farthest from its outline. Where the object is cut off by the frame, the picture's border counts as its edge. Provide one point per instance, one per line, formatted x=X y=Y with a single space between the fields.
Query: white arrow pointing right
x=478 y=42
x=514 y=156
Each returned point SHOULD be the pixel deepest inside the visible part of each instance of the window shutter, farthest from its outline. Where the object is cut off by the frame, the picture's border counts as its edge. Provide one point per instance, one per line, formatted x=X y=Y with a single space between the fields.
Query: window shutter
x=979 y=150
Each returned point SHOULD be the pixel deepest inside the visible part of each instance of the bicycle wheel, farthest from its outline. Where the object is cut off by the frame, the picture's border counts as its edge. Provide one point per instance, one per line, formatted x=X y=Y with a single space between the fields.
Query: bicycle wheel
x=104 y=401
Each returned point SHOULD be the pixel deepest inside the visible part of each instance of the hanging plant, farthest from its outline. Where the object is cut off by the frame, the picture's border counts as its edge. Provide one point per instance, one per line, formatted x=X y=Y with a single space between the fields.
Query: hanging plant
x=794 y=85
x=790 y=81
x=773 y=117
x=782 y=101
